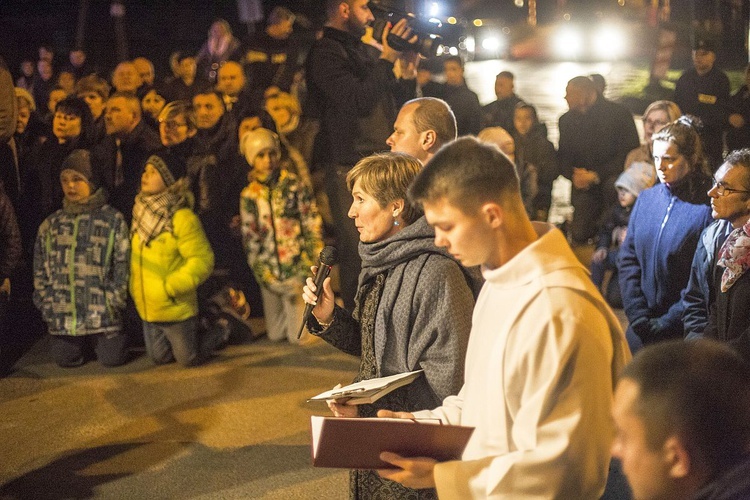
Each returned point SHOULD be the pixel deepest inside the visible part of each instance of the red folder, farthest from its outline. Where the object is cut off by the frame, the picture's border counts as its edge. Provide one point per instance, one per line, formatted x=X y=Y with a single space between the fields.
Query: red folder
x=356 y=443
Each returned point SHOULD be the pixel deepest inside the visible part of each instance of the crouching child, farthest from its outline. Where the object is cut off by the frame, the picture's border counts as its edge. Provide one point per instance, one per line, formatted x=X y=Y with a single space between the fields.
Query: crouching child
x=81 y=259
x=170 y=258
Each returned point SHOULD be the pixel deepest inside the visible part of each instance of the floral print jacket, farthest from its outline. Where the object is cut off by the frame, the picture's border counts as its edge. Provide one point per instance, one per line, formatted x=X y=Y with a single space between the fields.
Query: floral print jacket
x=281 y=228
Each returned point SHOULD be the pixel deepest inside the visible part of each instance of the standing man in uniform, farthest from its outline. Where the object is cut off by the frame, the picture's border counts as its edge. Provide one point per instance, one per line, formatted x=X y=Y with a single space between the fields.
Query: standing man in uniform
x=703 y=91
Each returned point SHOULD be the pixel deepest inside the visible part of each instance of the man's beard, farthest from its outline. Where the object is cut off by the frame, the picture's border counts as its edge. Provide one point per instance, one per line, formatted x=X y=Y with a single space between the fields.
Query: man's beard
x=356 y=29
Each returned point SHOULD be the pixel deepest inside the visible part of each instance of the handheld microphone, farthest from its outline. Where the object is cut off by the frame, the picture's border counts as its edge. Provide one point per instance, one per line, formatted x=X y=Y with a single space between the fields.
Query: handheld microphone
x=326 y=261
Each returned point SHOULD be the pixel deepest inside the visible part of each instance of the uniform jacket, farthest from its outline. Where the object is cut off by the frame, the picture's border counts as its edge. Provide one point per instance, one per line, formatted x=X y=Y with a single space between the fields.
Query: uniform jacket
x=281 y=228
x=706 y=97
x=81 y=268
x=165 y=274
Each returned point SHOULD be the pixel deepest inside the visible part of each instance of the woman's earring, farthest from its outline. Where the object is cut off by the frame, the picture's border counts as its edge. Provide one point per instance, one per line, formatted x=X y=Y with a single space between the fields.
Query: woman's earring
x=395 y=220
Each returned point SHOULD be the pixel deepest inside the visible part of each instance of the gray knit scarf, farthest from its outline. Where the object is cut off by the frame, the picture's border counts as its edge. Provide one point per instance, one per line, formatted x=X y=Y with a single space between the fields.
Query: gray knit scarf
x=402 y=257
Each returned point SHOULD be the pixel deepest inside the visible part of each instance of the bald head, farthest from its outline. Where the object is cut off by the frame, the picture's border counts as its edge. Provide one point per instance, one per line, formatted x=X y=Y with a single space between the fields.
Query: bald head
x=231 y=78
x=580 y=94
x=422 y=127
x=125 y=77
x=500 y=138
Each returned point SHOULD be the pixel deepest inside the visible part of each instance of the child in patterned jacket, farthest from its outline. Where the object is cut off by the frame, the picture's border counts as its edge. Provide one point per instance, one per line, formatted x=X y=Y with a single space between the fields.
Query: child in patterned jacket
x=81 y=263
x=281 y=232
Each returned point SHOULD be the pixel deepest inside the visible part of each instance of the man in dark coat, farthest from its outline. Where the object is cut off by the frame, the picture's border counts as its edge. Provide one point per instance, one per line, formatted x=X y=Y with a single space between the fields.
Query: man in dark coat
x=122 y=154
x=352 y=94
x=499 y=113
x=703 y=91
x=729 y=314
x=463 y=102
x=595 y=137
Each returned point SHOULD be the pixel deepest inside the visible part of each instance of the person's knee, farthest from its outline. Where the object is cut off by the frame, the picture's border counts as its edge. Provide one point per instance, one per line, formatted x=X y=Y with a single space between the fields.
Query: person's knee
x=68 y=359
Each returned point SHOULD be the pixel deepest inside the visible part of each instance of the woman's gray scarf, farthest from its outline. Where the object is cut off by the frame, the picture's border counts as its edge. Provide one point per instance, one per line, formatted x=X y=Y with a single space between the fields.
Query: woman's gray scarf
x=401 y=257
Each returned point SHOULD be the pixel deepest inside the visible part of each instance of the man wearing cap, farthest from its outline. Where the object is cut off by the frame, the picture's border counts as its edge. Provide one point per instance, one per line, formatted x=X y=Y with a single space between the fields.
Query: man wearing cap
x=81 y=263
x=703 y=91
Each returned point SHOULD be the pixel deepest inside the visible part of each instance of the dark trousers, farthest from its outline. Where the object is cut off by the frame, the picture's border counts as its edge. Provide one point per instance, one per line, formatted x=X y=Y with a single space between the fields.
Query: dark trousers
x=69 y=351
x=599 y=269
x=589 y=205
x=347 y=236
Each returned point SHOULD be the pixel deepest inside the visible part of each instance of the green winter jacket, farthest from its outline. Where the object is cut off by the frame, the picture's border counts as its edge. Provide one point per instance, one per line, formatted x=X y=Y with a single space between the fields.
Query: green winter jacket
x=165 y=274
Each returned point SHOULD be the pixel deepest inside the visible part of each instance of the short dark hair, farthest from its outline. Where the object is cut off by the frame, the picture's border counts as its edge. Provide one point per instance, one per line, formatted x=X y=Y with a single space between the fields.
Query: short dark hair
x=505 y=74
x=468 y=173
x=455 y=59
x=435 y=114
x=210 y=91
x=698 y=391
x=530 y=107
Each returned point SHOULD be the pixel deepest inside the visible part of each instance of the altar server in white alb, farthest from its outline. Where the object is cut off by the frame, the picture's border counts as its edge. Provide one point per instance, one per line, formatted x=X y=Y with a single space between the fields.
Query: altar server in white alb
x=544 y=351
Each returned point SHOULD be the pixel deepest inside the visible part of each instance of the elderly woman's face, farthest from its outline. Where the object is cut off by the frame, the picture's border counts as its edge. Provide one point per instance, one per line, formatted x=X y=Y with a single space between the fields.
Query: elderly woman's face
x=671 y=166
x=374 y=223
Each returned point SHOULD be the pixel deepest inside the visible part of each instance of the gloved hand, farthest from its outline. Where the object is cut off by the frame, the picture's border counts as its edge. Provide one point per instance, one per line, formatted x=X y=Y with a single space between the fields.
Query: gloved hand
x=656 y=327
x=641 y=328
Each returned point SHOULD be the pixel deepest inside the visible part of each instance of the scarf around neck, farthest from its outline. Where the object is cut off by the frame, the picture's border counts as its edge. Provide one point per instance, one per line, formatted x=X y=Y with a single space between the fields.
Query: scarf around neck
x=96 y=200
x=734 y=256
x=152 y=214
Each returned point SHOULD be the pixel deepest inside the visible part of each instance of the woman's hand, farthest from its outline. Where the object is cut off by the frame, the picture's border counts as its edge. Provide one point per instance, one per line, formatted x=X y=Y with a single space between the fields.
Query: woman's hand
x=324 y=303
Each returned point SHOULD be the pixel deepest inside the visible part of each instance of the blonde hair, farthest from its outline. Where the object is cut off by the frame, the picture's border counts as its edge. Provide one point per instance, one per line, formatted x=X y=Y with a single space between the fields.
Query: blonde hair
x=387 y=177
x=671 y=109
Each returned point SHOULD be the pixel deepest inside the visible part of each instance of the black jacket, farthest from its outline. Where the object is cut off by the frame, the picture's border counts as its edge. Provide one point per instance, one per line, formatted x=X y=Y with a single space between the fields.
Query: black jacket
x=598 y=140
x=465 y=105
x=352 y=95
x=139 y=144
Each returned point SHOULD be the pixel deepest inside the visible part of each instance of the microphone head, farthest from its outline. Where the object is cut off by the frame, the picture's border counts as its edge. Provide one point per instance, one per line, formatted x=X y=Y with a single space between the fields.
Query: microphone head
x=328 y=256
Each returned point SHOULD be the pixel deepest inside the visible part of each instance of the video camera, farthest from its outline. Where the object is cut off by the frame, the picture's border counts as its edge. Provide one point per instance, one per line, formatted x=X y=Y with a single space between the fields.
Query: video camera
x=385 y=12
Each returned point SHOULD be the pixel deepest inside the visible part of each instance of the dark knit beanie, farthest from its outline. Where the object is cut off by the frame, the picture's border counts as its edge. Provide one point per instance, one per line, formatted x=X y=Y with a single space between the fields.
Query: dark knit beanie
x=169 y=166
x=80 y=161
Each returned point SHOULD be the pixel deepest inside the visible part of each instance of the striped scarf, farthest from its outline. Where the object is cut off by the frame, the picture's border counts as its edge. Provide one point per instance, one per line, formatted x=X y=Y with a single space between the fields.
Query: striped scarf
x=152 y=214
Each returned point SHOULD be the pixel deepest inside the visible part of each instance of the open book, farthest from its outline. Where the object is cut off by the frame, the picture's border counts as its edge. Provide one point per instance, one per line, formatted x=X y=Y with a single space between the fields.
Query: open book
x=356 y=443
x=368 y=391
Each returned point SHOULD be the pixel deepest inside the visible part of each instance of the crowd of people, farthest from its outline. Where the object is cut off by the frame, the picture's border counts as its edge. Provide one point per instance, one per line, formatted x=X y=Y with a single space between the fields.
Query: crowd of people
x=168 y=209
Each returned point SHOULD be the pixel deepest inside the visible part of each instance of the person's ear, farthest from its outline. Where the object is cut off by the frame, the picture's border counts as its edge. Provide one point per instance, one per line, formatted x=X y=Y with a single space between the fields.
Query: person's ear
x=344 y=10
x=677 y=458
x=397 y=207
x=429 y=139
x=493 y=214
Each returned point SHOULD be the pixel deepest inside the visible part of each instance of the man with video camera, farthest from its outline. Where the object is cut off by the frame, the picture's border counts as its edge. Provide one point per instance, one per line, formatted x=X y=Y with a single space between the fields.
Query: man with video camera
x=352 y=94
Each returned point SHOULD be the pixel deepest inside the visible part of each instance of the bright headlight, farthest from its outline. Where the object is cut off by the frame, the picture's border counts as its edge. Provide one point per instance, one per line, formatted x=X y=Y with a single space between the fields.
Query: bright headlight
x=609 y=42
x=491 y=43
x=568 y=43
